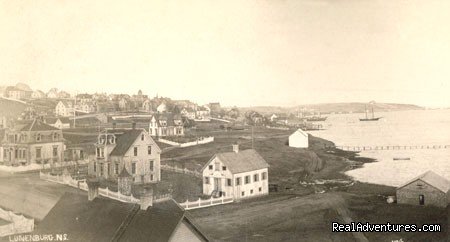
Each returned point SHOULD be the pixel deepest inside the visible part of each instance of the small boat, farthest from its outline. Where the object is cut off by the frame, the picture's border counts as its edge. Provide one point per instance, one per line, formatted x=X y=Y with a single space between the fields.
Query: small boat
x=401 y=158
x=370 y=119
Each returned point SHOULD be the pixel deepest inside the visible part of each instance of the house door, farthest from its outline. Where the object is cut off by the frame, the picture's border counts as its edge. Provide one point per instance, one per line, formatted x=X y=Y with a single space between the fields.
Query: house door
x=217 y=184
x=421 y=199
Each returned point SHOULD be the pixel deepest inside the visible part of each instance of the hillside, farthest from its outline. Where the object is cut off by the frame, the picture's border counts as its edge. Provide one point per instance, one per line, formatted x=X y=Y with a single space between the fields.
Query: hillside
x=333 y=107
x=11 y=108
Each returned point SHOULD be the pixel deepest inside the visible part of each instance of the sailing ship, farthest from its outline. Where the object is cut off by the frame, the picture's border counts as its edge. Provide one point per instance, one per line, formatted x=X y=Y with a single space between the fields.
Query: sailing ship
x=370 y=119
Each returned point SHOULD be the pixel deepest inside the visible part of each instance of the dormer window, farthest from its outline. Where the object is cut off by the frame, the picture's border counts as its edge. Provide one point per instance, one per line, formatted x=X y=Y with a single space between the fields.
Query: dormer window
x=142 y=137
x=38 y=137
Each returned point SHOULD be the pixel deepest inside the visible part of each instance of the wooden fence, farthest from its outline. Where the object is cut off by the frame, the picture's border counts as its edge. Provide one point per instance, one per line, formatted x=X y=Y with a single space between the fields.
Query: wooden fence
x=18 y=224
x=199 y=141
x=81 y=184
x=392 y=147
x=180 y=170
x=206 y=203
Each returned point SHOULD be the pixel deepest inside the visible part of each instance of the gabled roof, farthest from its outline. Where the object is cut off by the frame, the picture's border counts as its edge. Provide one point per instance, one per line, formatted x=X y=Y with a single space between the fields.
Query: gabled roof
x=52 y=120
x=168 y=117
x=84 y=220
x=243 y=161
x=157 y=223
x=105 y=219
x=125 y=138
x=124 y=173
x=37 y=125
x=431 y=179
x=125 y=141
x=300 y=132
x=66 y=103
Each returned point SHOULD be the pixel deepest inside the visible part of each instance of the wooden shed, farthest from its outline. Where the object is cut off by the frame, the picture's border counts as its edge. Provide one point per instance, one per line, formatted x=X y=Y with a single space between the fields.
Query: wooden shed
x=426 y=189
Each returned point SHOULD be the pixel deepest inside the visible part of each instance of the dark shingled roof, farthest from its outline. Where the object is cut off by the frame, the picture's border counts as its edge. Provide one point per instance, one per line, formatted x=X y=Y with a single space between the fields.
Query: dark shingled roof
x=124 y=173
x=105 y=219
x=37 y=125
x=243 y=161
x=82 y=220
x=124 y=141
x=156 y=224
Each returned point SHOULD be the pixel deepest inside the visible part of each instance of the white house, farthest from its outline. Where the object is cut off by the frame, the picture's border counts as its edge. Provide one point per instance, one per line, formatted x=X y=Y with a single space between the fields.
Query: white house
x=64 y=108
x=299 y=139
x=161 y=108
x=59 y=123
x=237 y=174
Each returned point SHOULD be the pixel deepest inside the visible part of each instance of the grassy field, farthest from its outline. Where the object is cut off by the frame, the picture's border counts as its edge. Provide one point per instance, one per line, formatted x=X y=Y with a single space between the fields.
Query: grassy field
x=295 y=213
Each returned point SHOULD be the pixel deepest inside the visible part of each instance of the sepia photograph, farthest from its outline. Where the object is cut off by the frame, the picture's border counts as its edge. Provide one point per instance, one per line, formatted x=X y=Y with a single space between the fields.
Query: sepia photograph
x=240 y=121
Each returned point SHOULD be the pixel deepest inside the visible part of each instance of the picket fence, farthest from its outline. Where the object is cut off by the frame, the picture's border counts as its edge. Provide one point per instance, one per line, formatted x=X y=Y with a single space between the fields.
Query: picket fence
x=199 y=141
x=180 y=170
x=206 y=203
x=81 y=184
x=18 y=224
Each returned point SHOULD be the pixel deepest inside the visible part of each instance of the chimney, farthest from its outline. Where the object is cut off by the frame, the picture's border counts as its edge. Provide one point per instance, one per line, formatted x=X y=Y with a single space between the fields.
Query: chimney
x=114 y=124
x=236 y=148
x=133 y=125
x=146 y=199
x=92 y=189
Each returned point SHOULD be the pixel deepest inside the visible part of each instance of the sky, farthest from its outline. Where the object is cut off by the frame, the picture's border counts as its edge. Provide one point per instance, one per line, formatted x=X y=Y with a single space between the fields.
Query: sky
x=244 y=53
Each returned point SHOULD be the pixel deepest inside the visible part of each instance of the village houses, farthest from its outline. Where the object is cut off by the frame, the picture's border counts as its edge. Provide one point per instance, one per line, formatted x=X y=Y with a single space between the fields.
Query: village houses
x=65 y=108
x=32 y=143
x=188 y=113
x=58 y=122
x=299 y=139
x=166 y=124
x=130 y=149
x=237 y=174
x=427 y=189
x=38 y=94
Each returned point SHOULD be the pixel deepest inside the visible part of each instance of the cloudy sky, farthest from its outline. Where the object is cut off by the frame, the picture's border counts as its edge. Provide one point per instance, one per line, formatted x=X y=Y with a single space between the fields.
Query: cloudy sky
x=262 y=52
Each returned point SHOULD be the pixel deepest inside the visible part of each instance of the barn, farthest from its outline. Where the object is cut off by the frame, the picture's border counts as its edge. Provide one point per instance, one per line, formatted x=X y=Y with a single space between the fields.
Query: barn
x=299 y=139
x=428 y=189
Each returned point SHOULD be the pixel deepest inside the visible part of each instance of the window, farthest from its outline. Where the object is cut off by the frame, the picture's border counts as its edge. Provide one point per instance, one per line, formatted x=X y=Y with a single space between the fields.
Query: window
x=142 y=137
x=55 y=136
x=247 y=179
x=251 y=191
x=38 y=137
x=229 y=182
x=151 y=177
x=135 y=151
x=38 y=153
x=217 y=165
x=224 y=168
x=16 y=153
x=133 y=168
x=264 y=175
x=210 y=167
x=206 y=180
x=55 y=151
x=238 y=181
x=95 y=167
x=256 y=177
x=116 y=168
x=98 y=152
x=260 y=189
x=151 y=165
x=243 y=193
x=149 y=150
